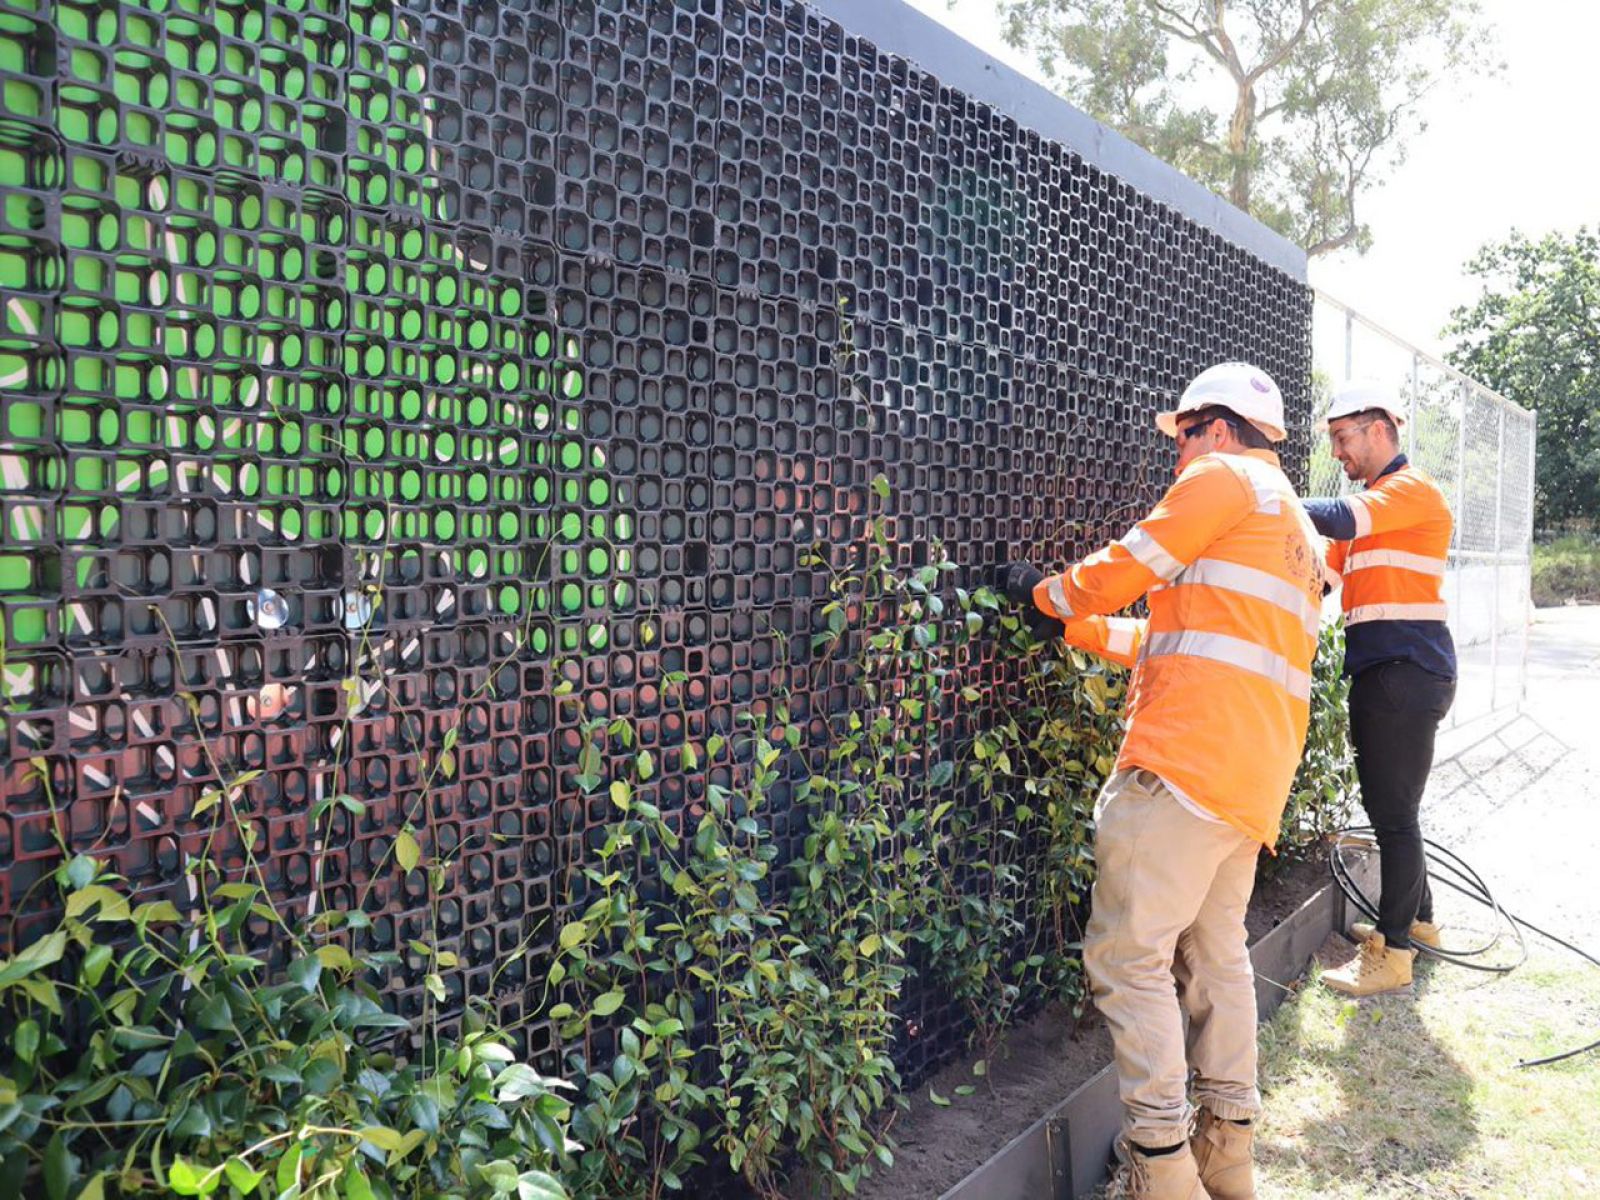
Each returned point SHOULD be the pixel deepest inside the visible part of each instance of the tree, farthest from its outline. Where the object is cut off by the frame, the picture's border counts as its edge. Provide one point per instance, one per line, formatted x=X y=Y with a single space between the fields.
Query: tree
x=1289 y=108
x=1534 y=335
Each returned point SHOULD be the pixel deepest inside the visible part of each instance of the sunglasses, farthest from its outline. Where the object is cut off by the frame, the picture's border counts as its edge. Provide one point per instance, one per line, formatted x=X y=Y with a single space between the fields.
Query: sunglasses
x=1195 y=430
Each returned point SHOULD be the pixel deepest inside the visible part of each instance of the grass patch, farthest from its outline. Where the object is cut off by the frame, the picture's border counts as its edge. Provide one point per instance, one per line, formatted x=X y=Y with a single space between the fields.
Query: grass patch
x=1567 y=568
x=1421 y=1096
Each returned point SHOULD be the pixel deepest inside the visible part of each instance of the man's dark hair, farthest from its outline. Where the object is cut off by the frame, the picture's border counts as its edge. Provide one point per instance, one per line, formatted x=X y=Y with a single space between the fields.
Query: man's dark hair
x=1376 y=416
x=1248 y=434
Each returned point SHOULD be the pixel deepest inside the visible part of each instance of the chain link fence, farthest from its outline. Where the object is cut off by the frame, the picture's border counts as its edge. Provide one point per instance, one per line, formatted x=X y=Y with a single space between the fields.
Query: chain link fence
x=1479 y=446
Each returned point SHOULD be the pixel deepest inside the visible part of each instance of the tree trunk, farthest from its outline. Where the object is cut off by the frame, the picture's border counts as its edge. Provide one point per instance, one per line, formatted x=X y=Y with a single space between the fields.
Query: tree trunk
x=1241 y=136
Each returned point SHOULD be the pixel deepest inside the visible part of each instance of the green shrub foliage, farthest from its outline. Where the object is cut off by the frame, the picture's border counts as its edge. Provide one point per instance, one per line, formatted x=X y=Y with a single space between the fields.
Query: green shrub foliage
x=726 y=998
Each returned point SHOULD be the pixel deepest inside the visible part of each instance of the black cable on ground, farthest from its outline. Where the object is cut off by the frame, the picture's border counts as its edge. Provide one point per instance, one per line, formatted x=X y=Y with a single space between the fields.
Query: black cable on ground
x=1454 y=873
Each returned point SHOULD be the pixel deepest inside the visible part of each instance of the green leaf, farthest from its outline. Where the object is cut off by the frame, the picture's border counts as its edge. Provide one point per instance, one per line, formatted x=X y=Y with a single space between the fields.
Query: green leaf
x=60 y=1168
x=45 y=952
x=938 y=1099
x=81 y=871
x=500 y=1175
x=241 y=1176
x=537 y=1185
x=355 y=1183
x=95 y=963
x=25 y=1041
x=214 y=1014
x=880 y=485
x=573 y=933
x=646 y=764
x=406 y=851
x=607 y=1004
x=424 y=1113
x=941 y=773
x=380 y=1136
x=871 y=944
x=205 y=804
x=305 y=972
x=691 y=760
x=187 y=1179
x=621 y=794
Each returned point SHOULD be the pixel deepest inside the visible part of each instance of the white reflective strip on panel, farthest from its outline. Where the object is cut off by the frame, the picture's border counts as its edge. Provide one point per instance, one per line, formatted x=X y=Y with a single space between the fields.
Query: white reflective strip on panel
x=1119 y=639
x=1236 y=652
x=1151 y=553
x=1058 y=597
x=1424 y=564
x=1236 y=577
x=1396 y=612
x=1358 y=508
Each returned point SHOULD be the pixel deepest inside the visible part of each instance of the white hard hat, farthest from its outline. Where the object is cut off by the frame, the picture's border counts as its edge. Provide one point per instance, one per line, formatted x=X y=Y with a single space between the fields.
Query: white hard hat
x=1247 y=390
x=1362 y=395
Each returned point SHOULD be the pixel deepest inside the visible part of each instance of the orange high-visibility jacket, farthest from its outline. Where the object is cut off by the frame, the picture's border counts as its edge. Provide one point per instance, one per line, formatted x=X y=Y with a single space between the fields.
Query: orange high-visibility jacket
x=1394 y=568
x=1221 y=689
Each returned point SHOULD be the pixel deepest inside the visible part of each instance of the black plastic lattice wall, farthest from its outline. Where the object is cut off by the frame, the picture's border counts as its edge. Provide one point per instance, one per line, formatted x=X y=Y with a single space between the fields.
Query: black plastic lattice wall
x=576 y=317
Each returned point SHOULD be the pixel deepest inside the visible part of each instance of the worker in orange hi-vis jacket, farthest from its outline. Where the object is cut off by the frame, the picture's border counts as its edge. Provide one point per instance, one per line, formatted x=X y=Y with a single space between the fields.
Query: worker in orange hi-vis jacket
x=1390 y=546
x=1216 y=721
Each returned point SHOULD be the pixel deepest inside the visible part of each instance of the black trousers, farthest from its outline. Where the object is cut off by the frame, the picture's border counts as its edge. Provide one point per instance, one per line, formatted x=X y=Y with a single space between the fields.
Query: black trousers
x=1395 y=710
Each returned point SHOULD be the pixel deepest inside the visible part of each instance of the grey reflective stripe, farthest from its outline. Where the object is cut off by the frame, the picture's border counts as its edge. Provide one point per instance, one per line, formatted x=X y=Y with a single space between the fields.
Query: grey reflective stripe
x=1249 y=581
x=1425 y=564
x=1363 y=516
x=1236 y=652
x=1151 y=553
x=1119 y=638
x=1396 y=612
x=1058 y=597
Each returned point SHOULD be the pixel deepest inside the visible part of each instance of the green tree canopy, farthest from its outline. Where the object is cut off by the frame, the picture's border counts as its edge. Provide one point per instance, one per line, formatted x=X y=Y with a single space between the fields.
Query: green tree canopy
x=1289 y=108
x=1534 y=335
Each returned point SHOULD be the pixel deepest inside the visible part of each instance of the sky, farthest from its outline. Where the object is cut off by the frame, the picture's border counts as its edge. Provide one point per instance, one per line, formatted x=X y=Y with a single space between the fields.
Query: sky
x=1516 y=151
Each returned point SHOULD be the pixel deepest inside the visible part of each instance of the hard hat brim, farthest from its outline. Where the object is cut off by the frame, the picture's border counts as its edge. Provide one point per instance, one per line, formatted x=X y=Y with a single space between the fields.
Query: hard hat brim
x=1167 y=423
x=1399 y=419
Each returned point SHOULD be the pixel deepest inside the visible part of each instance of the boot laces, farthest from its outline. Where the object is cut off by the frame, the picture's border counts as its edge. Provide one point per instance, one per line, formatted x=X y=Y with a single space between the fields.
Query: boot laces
x=1132 y=1178
x=1373 y=955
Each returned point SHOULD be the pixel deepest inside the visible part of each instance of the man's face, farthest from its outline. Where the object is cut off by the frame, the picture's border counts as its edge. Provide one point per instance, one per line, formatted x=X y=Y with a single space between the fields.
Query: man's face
x=1355 y=443
x=1196 y=437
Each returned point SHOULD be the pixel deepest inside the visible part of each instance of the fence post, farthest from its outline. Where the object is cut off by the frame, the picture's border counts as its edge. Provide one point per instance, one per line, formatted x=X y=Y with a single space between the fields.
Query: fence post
x=1411 y=417
x=1494 y=601
x=1527 y=614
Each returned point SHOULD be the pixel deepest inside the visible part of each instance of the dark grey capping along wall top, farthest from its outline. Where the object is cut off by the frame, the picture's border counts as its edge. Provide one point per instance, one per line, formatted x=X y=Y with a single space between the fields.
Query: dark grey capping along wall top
x=897 y=28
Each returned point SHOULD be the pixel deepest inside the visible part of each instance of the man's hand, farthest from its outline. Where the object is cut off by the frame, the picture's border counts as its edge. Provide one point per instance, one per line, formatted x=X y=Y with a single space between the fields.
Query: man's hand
x=1017 y=581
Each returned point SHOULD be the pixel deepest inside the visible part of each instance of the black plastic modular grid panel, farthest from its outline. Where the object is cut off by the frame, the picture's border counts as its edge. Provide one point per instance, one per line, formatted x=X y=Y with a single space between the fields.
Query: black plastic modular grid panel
x=581 y=318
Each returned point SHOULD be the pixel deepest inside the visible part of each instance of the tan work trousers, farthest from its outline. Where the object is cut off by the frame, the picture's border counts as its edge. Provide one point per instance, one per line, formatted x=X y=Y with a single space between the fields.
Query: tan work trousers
x=1167 y=926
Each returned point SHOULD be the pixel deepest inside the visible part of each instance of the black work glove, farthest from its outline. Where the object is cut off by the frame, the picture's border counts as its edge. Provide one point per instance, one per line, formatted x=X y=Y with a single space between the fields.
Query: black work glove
x=1017 y=580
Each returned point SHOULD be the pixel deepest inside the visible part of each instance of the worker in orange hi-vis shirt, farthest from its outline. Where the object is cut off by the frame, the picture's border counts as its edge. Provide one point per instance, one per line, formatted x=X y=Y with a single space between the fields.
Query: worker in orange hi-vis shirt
x=1391 y=545
x=1216 y=721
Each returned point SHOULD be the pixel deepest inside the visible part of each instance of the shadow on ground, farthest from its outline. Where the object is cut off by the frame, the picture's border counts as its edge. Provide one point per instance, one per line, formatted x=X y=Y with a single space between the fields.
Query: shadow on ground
x=1404 y=1104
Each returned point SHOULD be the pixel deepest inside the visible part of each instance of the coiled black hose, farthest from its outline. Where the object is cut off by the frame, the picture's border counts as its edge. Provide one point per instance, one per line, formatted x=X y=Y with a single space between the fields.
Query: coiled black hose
x=1448 y=868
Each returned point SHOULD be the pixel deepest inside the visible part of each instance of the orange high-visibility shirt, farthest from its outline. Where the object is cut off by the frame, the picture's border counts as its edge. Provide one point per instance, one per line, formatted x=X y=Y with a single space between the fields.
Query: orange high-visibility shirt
x=1221 y=689
x=1393 y=573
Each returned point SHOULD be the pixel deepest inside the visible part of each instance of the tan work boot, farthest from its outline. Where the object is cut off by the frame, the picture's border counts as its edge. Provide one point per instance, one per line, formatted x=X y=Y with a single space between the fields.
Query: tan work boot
x=1374 y=969
x=1156 y=1177
x=1425 y=932
x=1222 y=1156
